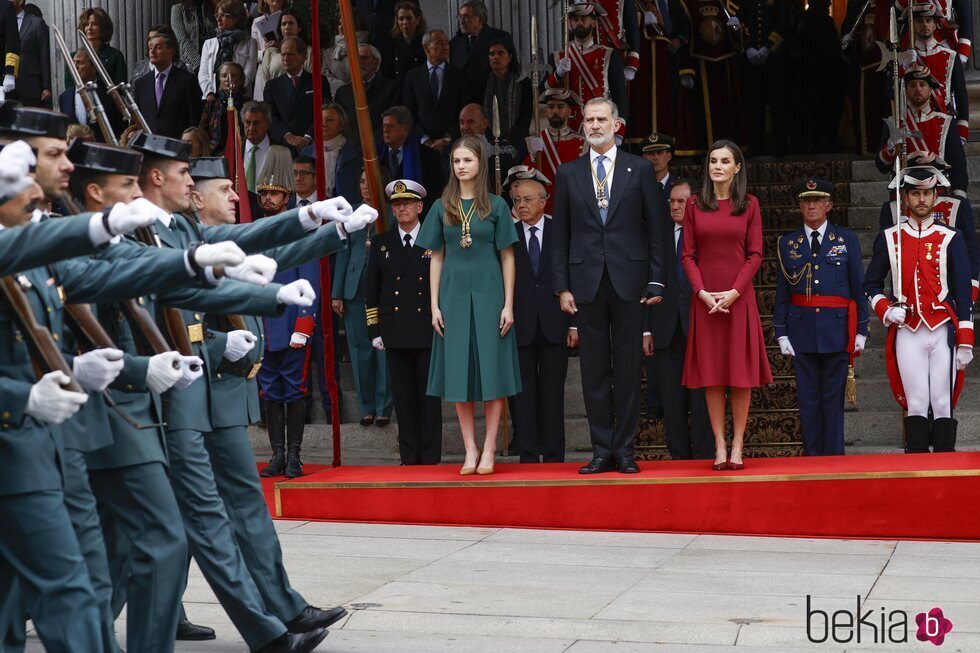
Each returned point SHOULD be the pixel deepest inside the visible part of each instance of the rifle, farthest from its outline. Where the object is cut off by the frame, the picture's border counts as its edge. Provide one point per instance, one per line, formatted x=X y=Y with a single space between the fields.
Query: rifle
x=45 y=353
x=88 y=91
x=121 y=93
x=496 y=145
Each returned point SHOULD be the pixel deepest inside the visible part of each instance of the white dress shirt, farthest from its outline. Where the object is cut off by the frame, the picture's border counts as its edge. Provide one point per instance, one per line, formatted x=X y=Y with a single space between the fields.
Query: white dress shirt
x=413 y=234
x=821 y=231
x=609 y=163
x=261 y=152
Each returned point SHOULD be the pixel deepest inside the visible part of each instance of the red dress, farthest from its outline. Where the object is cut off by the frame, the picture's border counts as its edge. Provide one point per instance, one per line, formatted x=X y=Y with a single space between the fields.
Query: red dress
x=724 y=251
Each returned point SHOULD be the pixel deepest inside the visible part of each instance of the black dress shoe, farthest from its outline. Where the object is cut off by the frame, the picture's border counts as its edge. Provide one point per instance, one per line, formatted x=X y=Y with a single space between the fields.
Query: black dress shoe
x=188 y=632
x=311 y=618
x=295 y=642
x=598 y=465
x=627 y=465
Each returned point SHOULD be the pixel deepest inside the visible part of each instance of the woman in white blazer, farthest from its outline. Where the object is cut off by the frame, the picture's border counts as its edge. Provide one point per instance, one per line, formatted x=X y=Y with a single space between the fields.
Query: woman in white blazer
x=232 y=43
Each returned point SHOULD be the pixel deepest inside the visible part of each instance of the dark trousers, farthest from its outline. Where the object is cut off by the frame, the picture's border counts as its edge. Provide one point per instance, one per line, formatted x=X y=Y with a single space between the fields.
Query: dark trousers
x=820 y=383
x=419 y=415
x=284 y=375
x=686 y=420
x=539 y=409
x=764 y=87
x=610 y=344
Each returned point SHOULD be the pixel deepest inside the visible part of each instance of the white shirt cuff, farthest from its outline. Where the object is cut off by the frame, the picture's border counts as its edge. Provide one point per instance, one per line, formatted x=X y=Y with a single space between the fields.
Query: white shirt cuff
x=340 y=231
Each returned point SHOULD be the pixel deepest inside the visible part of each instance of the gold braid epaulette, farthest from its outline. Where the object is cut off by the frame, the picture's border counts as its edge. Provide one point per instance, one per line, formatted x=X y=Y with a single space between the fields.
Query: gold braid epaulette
x=795 y=279
x=372 y=316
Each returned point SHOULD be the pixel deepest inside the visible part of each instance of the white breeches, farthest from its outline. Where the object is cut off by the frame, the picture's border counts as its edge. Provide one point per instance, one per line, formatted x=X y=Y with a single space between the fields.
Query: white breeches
x=925 y=363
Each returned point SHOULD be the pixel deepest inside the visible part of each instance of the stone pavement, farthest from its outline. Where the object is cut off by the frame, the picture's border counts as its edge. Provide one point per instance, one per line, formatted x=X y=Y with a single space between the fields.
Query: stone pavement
x=435 y=589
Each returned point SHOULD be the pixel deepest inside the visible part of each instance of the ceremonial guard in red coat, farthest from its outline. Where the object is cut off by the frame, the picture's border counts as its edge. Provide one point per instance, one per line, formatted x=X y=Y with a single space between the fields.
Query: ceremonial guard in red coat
x=955 y=212
x=955 y=23
x=945 y=65
x=619 y=30
x=588 y=69
x=662 y=94
x=557 y=143
x=869 y=98
x=929 y=314
x=927 y=131
x=714 y=45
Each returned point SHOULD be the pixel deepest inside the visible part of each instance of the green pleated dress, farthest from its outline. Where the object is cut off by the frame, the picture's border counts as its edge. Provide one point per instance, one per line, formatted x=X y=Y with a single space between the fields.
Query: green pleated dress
x=472 y=362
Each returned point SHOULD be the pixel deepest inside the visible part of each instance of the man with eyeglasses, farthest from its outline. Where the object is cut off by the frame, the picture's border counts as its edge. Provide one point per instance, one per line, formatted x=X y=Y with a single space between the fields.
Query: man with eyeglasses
x=470 y=47
x=544 y=332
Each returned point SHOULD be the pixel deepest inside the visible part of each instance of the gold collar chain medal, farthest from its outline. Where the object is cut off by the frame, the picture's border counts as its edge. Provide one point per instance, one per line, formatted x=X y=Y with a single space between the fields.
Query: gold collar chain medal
x=466 y=217
x=600 y=185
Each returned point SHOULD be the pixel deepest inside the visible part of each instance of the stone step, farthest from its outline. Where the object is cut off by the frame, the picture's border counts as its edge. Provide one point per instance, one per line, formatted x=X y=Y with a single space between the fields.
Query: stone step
x=866 y=171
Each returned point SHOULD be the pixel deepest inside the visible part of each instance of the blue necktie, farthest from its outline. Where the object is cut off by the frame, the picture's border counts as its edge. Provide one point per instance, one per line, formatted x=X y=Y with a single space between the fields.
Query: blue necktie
x=600 y=173
x=434 y=83
x=534 y=251
x=680 y=252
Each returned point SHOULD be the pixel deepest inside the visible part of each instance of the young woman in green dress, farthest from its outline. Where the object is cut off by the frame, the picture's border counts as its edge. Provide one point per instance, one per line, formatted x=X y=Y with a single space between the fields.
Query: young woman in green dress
x=471 y=275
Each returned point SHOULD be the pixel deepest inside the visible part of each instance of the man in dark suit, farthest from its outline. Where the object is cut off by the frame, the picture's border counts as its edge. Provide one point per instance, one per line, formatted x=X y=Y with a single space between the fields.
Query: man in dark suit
x=608 y=252
x=435 y=93
x=400 y=323
x=469 y=49
x=168 y=96
x=34 y=76
x=658 y=149
x=291 y=97
x=70 y=103
x=544 y=332
x=405 y=158
x=669 y=322
x=381 y=92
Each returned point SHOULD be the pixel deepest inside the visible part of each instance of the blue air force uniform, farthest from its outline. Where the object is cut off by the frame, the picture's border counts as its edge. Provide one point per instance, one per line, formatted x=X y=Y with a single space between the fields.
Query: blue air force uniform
x=820 y=309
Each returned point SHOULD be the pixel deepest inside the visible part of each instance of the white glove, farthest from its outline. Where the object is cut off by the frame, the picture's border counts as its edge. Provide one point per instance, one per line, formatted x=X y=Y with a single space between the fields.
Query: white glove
x=563 y=67
x=894 y=315
x=239 y=343
x=649 y=18
x=535 y=144
x=687 y=81
x=751 y=54
x=298 y=338
x=50 y=403
x=256 y=269
x=9 y=83
x=163 y=371
x=761 y=55
x=964 y=354
x=734 y=23
x=362 y=217
x=96 y=369
x=785 y=347
x=331 y=209
x=225 y=253
x=297 y=293
x=191 y=369
x=629 y=73
x=859 y=341
x=845 y=42
x=125 y=218
x=16 y=161
x=378 y=344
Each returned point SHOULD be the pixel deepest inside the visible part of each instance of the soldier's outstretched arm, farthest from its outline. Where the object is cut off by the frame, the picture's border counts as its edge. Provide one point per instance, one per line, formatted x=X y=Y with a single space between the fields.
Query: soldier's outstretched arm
x=260 y=235
x=229 y=297
x=324 y=241
x=42 y=243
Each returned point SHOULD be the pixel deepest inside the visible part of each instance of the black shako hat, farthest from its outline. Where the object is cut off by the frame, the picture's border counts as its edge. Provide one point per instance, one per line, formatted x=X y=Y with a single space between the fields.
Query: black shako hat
x=161 y=146
x=32 y=121
x=98 y=157
x=209 y=167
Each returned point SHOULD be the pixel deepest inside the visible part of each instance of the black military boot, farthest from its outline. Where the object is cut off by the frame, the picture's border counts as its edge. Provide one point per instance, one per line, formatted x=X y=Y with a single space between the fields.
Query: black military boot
x=295 y=423
x=916 y=434
x=943 y=434
x=275 y=421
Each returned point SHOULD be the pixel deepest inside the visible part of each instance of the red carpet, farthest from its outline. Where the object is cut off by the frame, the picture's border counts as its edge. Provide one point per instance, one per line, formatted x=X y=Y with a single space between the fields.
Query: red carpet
x=269 y=484
x=866 y=496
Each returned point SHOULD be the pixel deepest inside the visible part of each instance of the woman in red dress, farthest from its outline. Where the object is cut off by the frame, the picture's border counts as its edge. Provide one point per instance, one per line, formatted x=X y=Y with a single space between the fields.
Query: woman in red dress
x=722 y=252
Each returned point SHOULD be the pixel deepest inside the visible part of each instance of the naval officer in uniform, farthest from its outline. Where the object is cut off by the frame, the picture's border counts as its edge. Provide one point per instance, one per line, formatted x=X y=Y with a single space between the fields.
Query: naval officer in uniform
x=400 y=323
x=820 y=316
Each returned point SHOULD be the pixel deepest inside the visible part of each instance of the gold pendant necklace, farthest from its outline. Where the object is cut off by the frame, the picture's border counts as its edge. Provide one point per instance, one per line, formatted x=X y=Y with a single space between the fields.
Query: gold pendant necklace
x=466 y=217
